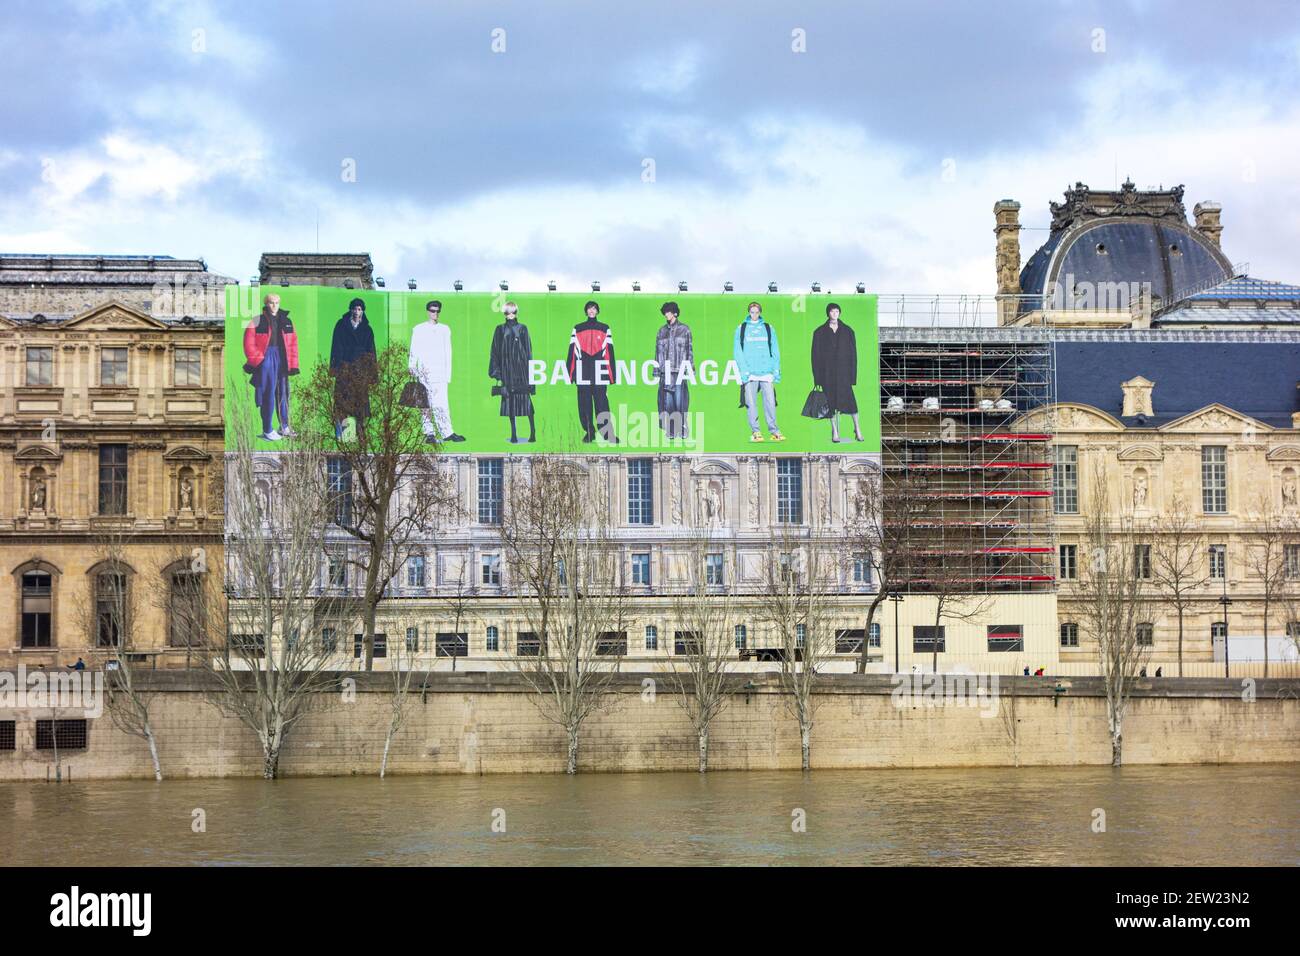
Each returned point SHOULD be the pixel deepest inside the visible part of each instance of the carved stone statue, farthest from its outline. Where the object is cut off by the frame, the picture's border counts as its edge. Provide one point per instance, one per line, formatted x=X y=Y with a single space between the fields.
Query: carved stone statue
x=38 y=494
x=1289 y=493
x=187 y=494
x=675 y=494
x=712 y=507
x=1139 y=490
x=753 y=491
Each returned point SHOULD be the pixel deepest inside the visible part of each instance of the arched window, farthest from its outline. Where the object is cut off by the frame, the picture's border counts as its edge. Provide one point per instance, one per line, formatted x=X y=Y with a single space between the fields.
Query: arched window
x=112 y=612
x=37 y=607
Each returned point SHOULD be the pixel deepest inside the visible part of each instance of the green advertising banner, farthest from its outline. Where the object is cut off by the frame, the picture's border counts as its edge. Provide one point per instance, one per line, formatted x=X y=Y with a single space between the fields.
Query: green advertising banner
x=629 y=378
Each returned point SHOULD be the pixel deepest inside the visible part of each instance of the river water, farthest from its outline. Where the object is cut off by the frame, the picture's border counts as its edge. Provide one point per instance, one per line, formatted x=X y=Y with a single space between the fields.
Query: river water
x=1154 y=816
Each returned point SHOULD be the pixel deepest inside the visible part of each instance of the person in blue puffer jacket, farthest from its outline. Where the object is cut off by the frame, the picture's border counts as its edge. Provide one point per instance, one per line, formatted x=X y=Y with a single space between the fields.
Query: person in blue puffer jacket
x=758 y=357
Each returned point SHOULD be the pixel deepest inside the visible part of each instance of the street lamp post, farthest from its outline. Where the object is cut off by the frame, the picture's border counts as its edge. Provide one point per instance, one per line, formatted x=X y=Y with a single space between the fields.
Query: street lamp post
x=897 y=599
x=1225 y=601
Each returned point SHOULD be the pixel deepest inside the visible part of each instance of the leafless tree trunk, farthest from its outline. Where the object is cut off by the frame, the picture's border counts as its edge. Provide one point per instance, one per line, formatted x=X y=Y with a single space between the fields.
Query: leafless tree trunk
x=801 y=571
x=562 y=561
x=1114 y=602
x=875 y=533
x=1269 y=535
x=400 y=662
x=700 y=674
x=267 y=663
x=1178 y=562
x=1009 y=712
x=387 y=488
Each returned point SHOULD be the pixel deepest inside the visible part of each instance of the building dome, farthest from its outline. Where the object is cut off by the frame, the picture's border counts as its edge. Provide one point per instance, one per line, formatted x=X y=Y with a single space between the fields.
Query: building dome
x=1100 y=238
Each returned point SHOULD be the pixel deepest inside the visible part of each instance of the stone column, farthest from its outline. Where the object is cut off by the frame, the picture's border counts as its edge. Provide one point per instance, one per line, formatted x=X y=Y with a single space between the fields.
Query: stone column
x=1207 y=220
x=1006 y=215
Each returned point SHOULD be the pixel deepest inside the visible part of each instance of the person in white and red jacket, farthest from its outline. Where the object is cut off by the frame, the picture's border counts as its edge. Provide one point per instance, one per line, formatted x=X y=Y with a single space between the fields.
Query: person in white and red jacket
x=271 y=358
x=591 y=368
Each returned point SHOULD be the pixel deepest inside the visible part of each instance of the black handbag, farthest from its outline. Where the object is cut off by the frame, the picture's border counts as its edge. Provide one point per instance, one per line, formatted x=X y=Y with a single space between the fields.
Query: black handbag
x=414 y=395
x=817 y=405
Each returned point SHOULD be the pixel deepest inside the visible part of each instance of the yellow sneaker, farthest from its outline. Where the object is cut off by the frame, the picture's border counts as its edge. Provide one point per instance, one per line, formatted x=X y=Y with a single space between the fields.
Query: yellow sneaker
x=756 y=437
x=777 y=436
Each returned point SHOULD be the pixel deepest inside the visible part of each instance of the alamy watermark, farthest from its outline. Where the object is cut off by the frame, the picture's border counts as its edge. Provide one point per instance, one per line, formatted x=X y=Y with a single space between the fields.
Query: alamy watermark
x=954 y=689
x=53 y=690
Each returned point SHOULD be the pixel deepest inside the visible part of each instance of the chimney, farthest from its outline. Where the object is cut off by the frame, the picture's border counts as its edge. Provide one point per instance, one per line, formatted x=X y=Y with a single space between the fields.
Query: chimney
x=1006 y=214
x=1207 y=220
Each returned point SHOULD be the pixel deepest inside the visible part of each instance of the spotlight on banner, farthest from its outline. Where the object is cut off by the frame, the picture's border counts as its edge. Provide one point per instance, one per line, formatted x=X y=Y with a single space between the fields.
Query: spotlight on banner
x=410 y=284
x=681 y=286
x=255 y=280
x=550 y=286
x=636 y=287
x=503 y=285
x=379 y=281
x=728 y=287
x=771 y=287
x=595 y=286
x=862 y=288
x=816 y=286
x=458 y=285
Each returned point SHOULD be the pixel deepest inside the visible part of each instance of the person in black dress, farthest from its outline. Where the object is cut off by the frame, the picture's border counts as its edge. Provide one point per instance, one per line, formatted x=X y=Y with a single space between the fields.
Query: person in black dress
x=835 y=369
x=512 y=350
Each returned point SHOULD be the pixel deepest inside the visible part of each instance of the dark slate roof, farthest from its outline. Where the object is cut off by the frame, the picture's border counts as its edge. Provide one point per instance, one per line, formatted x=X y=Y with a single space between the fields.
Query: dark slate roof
x=1175 y=259
x=1255 y=378
x=1249 y=287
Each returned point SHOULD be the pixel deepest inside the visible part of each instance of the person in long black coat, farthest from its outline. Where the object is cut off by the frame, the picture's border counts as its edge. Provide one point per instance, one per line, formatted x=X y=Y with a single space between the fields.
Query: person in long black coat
x=512 y=350
x=835 y=368
x=353 y=365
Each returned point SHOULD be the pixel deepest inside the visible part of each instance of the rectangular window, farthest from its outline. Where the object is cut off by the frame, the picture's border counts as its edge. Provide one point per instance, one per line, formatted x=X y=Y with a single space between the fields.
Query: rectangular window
x=1146 y=635
x=112 y=479
x=449 y=644
x=490 y=490
x=491 y=569
x=1218 y=631
x=800 y=634
x=611 y=643
x=742 y=637
x=415 y=571
x=926 y=638
x=8 y=735
x=651 y=637
x=1214 y=479
x=1291 y=560
x=248 y=645
x=848 y=641
x=36 y=609
x=527 y=644
x=1005 y=637
x=492 y=639
x=359 y=645
x=1142 y=562
x=1218 y=561
x=1065 y=479
x=1069 y=563
x=112 y=366
x=714 y=575
x=862 y=569
x=873 y=636
x=337 y=571
x=329 y=642
x=1069 y=635
x=40 y=365
x=789 y=490
x=686 y=642
x=640 y=491
x=641 y=568
x=110 y=609
x=62 y=734
x=412 y=640
x=188 y=366
x=339 y=477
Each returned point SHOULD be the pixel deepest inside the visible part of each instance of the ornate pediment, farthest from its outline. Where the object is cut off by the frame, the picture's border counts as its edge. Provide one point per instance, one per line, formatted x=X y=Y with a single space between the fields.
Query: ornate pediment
x=1217 y=418
x=1140 y=452
x=114 y=316
x=186 y=453
x=1284 y=453
x=712 y=466
x=37 y=453
x=1074 y=417
x=1082 y=204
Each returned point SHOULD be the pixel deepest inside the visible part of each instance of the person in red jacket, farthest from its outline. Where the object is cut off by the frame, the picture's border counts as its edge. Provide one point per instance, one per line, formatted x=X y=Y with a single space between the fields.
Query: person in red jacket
x=591 y=368
x=270 y=358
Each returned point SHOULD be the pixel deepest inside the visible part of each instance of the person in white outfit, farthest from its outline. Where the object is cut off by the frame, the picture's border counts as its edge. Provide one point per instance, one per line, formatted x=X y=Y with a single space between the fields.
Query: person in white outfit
x=430 y=365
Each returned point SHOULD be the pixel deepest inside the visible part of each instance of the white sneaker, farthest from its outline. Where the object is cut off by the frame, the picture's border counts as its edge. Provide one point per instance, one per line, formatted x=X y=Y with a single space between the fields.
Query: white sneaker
x=272 y=435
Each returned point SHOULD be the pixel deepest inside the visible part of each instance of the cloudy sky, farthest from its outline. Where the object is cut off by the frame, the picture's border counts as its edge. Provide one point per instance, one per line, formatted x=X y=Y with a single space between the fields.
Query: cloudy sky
x=653 y=141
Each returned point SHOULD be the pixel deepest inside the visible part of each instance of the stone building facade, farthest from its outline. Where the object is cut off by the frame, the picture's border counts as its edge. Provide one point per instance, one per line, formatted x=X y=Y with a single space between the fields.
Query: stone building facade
x=110 y=451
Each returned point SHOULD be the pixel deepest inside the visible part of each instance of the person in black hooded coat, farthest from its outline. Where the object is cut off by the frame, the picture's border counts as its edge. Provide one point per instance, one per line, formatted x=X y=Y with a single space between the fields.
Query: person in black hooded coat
x=835 y=368
x=353 y=365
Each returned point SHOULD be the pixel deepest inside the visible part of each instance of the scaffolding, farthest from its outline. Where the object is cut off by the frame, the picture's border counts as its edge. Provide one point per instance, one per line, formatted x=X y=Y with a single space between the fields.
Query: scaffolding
x=967 y=471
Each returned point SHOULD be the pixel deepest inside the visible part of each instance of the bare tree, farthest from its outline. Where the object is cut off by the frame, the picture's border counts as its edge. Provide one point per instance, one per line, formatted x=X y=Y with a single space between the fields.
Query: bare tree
x=107 y=614
x=877 y=534
x=1269 y=537
x=1008 y=711
x=1114 y=602
x=268 y=667
x=401 y=660
x=801 y=571
x=387 y=489
x=703 y=649
x=1177 y=562
x=562 y=561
